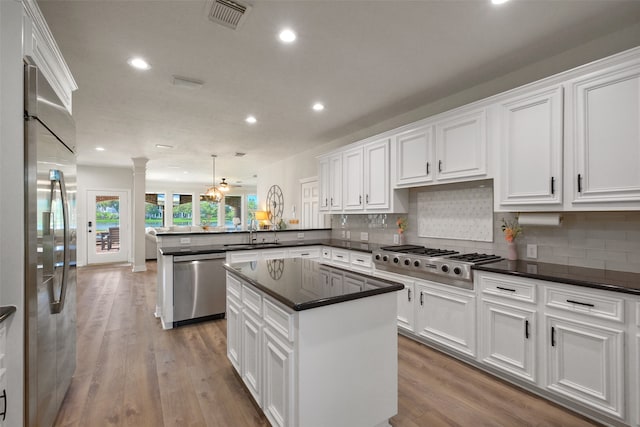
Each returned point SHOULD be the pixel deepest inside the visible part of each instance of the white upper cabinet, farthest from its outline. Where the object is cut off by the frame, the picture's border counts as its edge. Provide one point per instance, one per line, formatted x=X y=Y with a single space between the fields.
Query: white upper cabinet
x=366 y=176
x=363 y=184
x=353 y=185
x=604 y=138
x=414 y=157
x=377 y=186
x=461 y=146
x=530 y=151
x=330 y=172
x=451 y=148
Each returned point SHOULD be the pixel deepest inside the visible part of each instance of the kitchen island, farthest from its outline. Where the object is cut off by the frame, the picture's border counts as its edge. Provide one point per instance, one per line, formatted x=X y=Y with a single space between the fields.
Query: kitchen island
x=315 y=345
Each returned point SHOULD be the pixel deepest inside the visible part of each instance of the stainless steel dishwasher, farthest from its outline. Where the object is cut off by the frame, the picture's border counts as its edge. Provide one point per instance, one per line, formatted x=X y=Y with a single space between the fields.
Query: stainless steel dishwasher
x=199 y=287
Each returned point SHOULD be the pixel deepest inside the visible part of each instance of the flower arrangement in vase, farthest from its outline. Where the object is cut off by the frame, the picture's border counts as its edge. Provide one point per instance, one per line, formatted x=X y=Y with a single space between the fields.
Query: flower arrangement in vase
x=402 y=226
x=511 y=230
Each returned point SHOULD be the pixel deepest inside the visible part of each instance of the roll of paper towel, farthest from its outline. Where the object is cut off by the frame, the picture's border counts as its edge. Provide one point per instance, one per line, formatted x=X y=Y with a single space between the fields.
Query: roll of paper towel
x=543 y=219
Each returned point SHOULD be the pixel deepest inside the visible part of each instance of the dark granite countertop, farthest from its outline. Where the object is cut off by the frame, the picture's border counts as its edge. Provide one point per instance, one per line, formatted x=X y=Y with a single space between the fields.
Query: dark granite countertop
x=179 y=233
x=617 y=281
x=206 y=249
x=301 y=284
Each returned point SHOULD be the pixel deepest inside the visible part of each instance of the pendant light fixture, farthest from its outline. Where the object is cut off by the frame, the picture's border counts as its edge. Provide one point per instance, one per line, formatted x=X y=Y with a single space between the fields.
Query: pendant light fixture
x=214 y=193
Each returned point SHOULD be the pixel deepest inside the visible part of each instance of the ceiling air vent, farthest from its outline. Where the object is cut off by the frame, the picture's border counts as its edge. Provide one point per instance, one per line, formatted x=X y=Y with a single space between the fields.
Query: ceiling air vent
x=229 y=13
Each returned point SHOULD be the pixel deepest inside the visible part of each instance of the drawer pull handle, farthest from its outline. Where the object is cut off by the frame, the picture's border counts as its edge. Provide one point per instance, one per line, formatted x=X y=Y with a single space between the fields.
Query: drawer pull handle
x=553 y=187
x=421 y=298
x=339 y=256
x=579 y=183
x=305 y=254
x=427 y=168
x=586 y=304
x=4 y=411
x=439 y=165
x=526 y=329
x=505 y=289
x=409 y=295
x=553 y=336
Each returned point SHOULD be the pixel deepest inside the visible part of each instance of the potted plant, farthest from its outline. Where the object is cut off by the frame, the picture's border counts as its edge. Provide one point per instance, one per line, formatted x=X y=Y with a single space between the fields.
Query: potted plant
x=511 y=230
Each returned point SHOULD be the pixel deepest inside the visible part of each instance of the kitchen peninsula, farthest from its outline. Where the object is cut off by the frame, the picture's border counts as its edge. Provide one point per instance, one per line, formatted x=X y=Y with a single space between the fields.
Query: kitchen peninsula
x=315 y=345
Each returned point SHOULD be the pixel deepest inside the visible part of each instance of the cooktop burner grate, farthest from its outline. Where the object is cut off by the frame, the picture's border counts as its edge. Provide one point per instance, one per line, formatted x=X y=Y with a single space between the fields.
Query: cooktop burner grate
x=475 y=257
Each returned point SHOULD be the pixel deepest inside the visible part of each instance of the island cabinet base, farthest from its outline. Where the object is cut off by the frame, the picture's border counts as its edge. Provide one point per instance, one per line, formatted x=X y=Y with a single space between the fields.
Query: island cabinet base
x=334 y=365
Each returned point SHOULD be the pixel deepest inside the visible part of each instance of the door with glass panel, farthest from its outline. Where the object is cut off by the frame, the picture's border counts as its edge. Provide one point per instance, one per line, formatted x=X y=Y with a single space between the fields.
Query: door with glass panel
x=107 y=226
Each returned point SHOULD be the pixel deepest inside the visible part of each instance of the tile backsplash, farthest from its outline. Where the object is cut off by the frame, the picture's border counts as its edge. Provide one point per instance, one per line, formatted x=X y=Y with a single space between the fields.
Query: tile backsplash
x=604 y=240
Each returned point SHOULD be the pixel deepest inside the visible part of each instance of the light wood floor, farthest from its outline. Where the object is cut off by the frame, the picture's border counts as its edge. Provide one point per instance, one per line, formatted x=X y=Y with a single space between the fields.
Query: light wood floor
x=132 y=373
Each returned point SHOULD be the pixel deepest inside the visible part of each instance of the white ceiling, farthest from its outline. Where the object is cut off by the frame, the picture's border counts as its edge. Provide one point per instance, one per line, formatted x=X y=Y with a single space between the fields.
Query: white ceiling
x=366 y=60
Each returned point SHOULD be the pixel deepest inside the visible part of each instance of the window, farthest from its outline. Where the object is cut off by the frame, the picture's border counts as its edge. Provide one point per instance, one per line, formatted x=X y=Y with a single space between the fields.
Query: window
x=182 y=209
x=208 y=212
x=154 y=210
x=252 y=206
x=233 y=212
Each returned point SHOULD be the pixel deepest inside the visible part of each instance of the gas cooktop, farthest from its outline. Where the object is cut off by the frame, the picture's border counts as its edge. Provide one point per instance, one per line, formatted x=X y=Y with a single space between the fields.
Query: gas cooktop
x=439 y=265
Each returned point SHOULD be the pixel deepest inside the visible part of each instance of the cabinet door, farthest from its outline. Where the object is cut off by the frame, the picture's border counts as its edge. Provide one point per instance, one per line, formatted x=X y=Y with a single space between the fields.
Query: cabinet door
x=508 y=339
x=446 y=316
x=606 y=136
x=279 y=385
x=324 y=180
x=531 y=149
x=586 y=363
x=353 y=167
x=234 y=319
x=461 y=146
x=406 y=307
x=335 y=182
x=252 y=354
x=377 y=187
x=415 y=157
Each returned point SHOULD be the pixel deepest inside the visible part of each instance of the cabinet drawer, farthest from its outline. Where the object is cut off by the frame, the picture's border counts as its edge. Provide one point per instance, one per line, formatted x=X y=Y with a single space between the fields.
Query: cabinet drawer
x=508 y=287
x=586 y=303
x=340 y=256
x=279 y=320
x=252 y=300
x=308 y=252
x=234 y=287
x=243 y=256
x=360 y=259
x=274 y=254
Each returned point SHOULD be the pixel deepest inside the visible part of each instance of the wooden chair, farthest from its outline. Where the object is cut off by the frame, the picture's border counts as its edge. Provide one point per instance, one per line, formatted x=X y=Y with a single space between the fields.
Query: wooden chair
x=113 y=238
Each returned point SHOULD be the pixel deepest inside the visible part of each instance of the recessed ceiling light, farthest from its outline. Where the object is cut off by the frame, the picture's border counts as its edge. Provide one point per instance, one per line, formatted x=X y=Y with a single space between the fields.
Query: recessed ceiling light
x=139 y=63
x=499 y=1
x=164 y=146
x=318 y=106
x=99 y=148
x=287 y=36
x=251 y=119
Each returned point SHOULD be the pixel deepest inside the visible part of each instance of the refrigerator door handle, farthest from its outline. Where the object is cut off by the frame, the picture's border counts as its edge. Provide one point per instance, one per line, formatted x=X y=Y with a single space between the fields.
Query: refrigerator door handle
x=57 y=302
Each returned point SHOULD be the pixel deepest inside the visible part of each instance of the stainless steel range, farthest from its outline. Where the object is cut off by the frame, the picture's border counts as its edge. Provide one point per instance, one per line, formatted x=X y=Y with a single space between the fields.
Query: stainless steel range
x=439 y=265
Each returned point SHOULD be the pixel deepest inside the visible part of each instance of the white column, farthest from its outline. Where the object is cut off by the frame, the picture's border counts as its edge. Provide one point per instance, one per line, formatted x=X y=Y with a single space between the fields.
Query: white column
x=139 y=175
x=195 y=205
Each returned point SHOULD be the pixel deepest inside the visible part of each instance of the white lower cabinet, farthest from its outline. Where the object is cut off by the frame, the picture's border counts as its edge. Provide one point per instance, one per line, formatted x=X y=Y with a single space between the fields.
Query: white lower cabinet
x=585 y=361
x=508 y=340
x=278 y=379
x=305 y=368
x=234 y=319
x=252 y=354
x=447 y=316
x=571 y=341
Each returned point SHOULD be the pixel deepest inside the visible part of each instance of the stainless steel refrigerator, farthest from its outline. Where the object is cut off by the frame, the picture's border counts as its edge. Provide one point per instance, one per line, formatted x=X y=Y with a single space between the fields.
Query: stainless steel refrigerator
x=50 y=253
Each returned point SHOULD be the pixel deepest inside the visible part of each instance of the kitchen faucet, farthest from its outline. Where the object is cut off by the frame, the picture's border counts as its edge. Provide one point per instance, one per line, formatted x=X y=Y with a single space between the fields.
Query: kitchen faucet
x=252 y=232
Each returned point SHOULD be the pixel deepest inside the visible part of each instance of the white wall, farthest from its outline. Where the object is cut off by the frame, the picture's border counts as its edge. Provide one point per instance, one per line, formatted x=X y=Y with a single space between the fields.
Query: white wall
x=12 y=201
x=99 y=178
x=289 y=171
